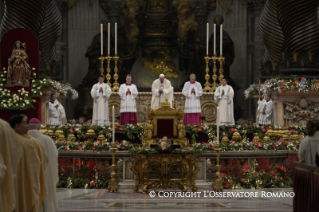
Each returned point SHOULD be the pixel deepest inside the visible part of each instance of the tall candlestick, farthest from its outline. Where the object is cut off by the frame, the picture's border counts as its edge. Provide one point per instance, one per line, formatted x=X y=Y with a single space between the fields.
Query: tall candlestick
x=207 y=37
x=214 y=39
x=101 y=39
x=113 y=124
x=221 y=40
x=115 y=38
x=108 y=38
x=217 y=120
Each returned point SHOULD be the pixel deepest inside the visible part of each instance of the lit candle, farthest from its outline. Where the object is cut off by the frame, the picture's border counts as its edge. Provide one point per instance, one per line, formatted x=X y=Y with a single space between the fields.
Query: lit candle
x=115 y=38
x=108 y=38
x=221 y=40
x=217 y=125
x=214 y=39
x=101 y=39
x=113 y=123
x=207 y=37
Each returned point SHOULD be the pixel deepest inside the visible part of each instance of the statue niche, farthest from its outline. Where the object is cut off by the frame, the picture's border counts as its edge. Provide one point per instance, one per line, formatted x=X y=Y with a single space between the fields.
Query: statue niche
x=19 y=71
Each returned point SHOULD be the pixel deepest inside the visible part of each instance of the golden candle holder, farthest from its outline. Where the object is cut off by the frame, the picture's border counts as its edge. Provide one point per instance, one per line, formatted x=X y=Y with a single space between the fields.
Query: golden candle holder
x=113 y=187
x=221 y=60
x=218 y=185
x=115 y=76
x=207 y=84
x=108 y=69
x=214 y=77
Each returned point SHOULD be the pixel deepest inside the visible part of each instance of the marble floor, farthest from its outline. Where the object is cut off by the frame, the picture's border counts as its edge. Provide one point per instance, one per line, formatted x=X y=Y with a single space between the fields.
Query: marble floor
x=94 y=200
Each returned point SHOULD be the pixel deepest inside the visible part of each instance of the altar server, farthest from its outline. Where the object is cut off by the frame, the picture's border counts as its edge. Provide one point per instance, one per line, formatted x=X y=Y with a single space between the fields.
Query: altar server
x=128 y=93
x=224 y=95
x=192 y=91
x=161 y=90
x=51 y=172
x=265 y=109
x=53 y=110
x=101 y=93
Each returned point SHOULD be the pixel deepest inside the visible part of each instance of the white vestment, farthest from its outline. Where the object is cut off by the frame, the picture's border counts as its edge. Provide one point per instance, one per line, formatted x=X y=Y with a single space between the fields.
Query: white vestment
x=308 y=149
x=225 y=104
x=3 y=170
x=100 y=104
x=51 y=171
x=61 y=111
x=53 y=114
x=192 y=103
x=157 y=97
x=265 y=112
x=128 y=103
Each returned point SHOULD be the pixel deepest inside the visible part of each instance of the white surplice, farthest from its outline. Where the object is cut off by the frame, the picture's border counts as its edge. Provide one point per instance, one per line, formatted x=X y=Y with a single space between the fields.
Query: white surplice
x=100 y=104
x=53 y=114
x=51 y=171
x=308 y=149
x=192 y=103
x=157 y=97
x=265 y=112
x=128 y=103
x=61 y=111
x=225 y=104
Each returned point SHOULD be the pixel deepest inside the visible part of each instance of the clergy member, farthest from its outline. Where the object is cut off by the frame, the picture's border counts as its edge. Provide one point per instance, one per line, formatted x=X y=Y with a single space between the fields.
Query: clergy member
x=101 y=93
x=61 y=110
x=51 y=172
x=192 y=91
x=161 y=90
x=128 y=93
x=30 y=182
x=224 y=95
x=53 y=110
x=265 y=109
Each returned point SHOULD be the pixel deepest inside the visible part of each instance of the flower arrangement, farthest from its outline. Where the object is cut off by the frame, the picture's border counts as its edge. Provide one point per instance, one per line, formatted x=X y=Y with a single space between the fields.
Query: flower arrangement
x=301 y=84
x=23 y=99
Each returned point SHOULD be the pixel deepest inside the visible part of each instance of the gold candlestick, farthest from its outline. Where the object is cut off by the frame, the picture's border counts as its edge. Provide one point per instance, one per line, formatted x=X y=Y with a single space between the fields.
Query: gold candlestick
x=115 y=76
x=102 y=58
x=207 y=84
x=113 y=182
x=221 y=60
x=214 y=84
x=218 y=185
x=108 y=70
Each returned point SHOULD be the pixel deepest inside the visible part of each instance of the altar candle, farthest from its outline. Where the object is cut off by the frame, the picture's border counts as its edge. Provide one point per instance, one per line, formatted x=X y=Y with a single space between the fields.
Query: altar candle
x=115 y=38
x=113 y=124
x=221 y=40
x=108 y=37
x=217 y=125
x=207 y=37
x=101 y=39
x=214 y=39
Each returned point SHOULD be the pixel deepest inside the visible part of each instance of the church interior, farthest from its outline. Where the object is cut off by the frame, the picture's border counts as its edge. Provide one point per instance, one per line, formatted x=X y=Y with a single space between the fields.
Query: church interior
x=145 y=105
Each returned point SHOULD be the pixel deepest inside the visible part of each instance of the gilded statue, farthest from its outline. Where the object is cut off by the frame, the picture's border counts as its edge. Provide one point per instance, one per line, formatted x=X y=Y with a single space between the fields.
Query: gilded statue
x=181 y=129
x=149 y=130
x=19 y=71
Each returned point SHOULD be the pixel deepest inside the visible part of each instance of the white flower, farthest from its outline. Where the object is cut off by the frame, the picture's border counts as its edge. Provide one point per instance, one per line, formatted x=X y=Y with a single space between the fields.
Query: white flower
x=1 y=88
x=33 y=80
x=20 y=98
x=19 y=91
x=44 y=79
x=1 y=84
x=33 y=69
x=5 y=105
x=23 y=104
x=14 y=101
x=34 y=74
x=1 y=75
x=26 y=94
x=8 y=94
x=41 y=82
x=34 y=92
x=5 y=72
x=40 y=93
x=33 y=85
x=39 y=88
x=4 y=79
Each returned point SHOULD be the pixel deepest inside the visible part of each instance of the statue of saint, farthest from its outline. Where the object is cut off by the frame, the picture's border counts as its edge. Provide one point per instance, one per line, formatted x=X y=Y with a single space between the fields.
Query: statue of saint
x=19 y=71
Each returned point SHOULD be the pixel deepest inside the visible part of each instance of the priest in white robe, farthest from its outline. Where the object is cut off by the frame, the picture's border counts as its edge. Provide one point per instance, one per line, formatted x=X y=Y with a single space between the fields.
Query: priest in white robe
x=161 y=90
x=51 y=171
x=192 y=91
x=61 y=110
x=224 y=95
x=128 y=93
x=101 y=93
x=265 y=109
x=53 y=110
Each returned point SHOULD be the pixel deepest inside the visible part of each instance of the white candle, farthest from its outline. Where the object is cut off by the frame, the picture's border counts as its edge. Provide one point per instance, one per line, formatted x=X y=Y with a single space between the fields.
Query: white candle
x=217 y=123
x=101 y=39
x=207 y=37
x=108 y=37
x=214 y=39
x=113 y=125
x=221 y=40
x=115 y=38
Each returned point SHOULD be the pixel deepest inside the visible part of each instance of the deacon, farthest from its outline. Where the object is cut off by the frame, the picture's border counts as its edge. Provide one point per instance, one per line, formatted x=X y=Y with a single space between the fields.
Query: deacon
x=128 y=93
x=53 y=110
x=100 y=93
x=224 y=95
x=265 y=109
x=51 y=172
x=161 y=90
x=192 y=91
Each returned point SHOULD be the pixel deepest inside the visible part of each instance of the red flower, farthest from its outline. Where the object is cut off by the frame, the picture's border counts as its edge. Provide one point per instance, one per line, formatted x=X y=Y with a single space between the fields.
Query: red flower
x=194 y=125
x=255 y=140
x=122 y=147
x=243 y=180
x=71 y=129
x=318 y=81
x=80 y=147
x=293 y=83
x=264 y=130
x=79 y=162
x=259 y=145
x=93 y=183
x=277 y=166
x=282 y=168
x=233 y=129
x=223 y=175
x=272 y=172
x=212 y=147
x=282 y=86
x=303 y=79
x=204 y=142
x=281 y=140
x=291 y=130
x=273 y=145
x=78 y=175
x=230 y=141
x=93 y=147
x=227 y=184
x=120 y=128
x=245 y=167
x=199 y=129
